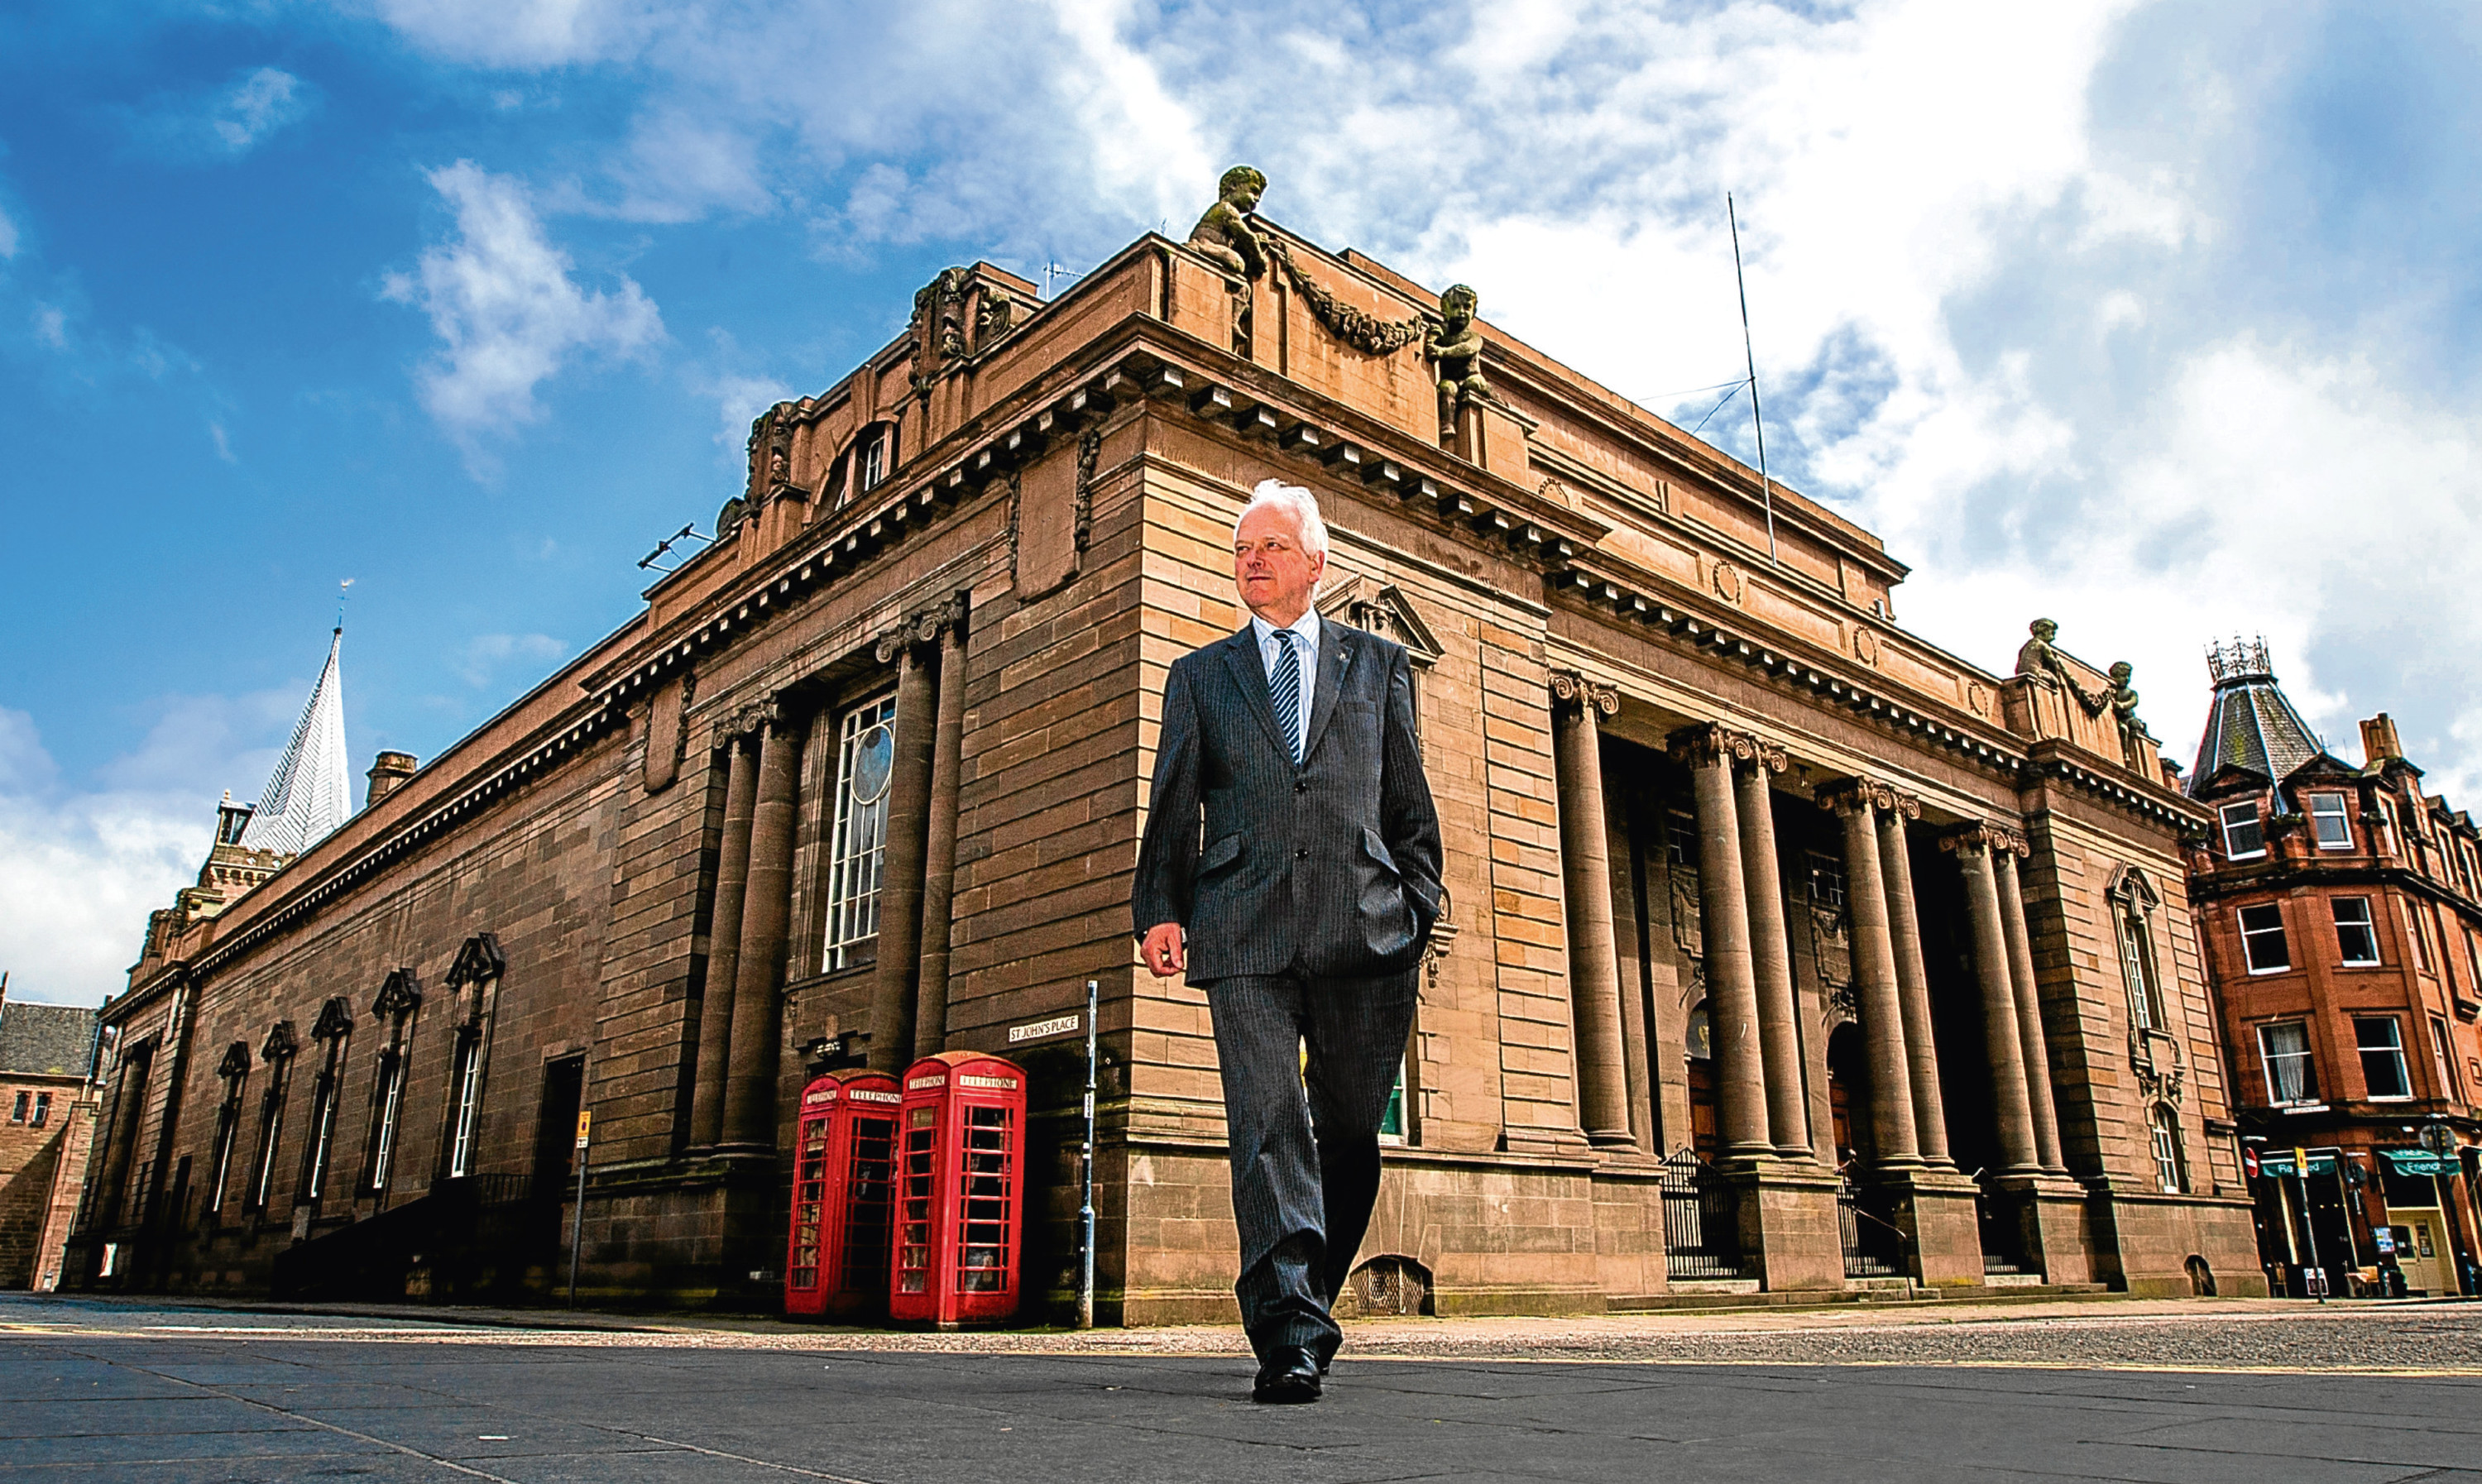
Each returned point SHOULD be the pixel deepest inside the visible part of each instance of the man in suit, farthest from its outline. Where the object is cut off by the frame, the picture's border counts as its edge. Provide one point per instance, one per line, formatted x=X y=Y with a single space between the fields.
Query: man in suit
x=1302 y=915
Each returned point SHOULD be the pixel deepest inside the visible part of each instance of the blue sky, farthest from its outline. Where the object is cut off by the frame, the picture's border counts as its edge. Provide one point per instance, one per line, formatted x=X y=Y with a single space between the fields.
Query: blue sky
x=2158 y=319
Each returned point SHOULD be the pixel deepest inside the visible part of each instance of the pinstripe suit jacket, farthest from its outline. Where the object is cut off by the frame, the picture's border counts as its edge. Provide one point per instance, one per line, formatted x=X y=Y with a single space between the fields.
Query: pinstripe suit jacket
x=1328 y=868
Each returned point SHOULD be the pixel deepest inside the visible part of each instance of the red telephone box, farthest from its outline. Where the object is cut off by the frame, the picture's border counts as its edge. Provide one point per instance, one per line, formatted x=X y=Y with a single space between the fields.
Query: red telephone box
x=960 y=1197
x=843 y=1193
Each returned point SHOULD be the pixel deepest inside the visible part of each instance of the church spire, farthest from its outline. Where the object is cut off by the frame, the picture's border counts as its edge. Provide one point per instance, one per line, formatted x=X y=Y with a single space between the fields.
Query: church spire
x=311 y=792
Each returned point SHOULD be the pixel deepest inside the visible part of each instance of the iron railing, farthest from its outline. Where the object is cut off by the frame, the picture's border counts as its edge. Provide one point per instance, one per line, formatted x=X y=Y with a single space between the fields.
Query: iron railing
x=1702 y=1230
x=1873 y=1246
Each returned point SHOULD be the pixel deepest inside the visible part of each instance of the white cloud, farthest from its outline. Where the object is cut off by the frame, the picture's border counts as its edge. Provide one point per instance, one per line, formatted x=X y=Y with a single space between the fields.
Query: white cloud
x=81 y=865
x=1991 y=255
x=258 y=105
x=502 y=300
x=8 y=237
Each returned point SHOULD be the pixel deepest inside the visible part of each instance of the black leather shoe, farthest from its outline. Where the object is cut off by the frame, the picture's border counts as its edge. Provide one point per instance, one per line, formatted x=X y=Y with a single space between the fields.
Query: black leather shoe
x=1289 y=1378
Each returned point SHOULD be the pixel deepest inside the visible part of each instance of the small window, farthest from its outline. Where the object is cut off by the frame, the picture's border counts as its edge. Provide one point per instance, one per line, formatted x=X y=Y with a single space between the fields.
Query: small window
x=1826 y=881
x=42 y=1109
x=1680 y=839
x=2262 y=941
x=870 y=460
x=2244 y=837
x=17 y=1114
x=2169 y=1176
x=865 y=765
x=2284 y=1048
x=2329 y=822
x=2473 y=956
x=1392 y=1119
x=2356 y=938
x=2383 y=1060
x=262 y=1169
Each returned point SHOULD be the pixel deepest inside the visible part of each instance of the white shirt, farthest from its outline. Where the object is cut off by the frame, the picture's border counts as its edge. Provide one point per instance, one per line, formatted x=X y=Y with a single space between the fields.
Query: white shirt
x=1306 y=642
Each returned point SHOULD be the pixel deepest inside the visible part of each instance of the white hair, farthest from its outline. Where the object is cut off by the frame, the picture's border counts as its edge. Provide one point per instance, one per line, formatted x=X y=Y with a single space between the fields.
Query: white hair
x=1294 y=501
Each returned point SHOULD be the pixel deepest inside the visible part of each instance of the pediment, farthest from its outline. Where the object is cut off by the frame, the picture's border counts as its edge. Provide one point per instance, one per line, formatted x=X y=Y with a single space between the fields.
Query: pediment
x=400 y=993
x=479 y=960
x=1383 y=609
x=279 y=1042
x=335 y=1019
x=236 y=1062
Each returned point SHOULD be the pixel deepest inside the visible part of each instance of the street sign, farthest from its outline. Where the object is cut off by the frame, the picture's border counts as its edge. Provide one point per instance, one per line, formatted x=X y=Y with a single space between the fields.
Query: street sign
x=585 y=1121
x=2314 y=1282
x=2249 y=1163
x=1056 y=1025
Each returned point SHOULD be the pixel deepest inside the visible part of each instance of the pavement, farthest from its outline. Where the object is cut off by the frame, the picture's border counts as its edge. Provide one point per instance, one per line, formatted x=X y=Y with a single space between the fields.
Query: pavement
x=2259 y=1392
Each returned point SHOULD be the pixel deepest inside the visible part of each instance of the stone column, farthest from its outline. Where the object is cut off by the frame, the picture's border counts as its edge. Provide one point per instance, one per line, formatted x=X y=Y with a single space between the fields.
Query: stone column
x=767 y=908
x=1913 y=983
x=724 y=943
x=1771 y=953
x=2033 y=1049
x=2010 y=1107
x=1586 y=873
x=1856 y=803
x=1723 y=915
x=894 y=987
x=940 y=842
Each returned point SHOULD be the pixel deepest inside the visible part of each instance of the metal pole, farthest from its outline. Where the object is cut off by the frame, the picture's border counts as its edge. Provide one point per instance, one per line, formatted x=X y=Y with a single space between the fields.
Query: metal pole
x=1086 y=1208
x=1757 y=419
x=2308 y=1221
x=577 y=1223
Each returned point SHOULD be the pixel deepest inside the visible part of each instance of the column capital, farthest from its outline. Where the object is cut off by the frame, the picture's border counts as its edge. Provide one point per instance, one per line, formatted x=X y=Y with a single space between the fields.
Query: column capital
x=1984 y=836
x=767 y=713
x=1712 y=742
x=923 y=628
x=1853 y=795
x=1568 y=688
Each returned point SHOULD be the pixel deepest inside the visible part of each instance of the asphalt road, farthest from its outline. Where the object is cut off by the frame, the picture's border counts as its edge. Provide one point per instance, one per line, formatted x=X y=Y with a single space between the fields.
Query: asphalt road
x=2255 y=1394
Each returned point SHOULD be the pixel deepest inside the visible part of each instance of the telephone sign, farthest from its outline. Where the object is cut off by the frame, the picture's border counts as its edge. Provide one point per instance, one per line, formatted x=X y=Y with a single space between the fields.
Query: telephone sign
x=585 y=1121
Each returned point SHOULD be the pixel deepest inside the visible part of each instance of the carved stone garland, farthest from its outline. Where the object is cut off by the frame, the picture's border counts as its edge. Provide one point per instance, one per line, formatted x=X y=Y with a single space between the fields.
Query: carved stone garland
x=1359 y=329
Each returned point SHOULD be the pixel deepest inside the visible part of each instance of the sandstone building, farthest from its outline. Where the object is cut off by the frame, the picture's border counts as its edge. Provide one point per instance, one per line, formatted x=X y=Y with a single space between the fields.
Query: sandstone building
x=1781 y=946
x=2342 y=916
x=47 y=1127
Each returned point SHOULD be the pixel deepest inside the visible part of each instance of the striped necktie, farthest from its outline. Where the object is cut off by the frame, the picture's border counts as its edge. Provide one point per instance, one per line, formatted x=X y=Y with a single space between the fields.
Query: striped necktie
x=1284 y=692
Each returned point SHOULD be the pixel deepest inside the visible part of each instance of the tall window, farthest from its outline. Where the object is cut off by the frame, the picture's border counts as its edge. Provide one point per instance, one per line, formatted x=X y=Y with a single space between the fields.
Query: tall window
x=2446 y=1051
x=2383 y=1060
x=2144 y=982
x=277 y=1054
x=17 y=1114
x=465 y=1087
x=1680 y=839
x=2284 y=1049
x=2356 y=938
x=389 y=1102
x=42 y=1109
x=2330 y=824
x=865 y=761
x=235 y=1071
x=2244 y=837
x=2414 y=935
x=323 y=1136
x=2169 y=1176
x=2262 y=941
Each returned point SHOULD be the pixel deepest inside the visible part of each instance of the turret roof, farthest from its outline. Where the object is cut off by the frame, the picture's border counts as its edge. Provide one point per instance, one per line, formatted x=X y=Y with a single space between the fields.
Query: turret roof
x=2252 y=726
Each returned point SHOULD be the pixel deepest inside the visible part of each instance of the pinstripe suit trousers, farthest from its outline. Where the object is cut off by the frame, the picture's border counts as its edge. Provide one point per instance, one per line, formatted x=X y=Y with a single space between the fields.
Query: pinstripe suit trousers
x=1304 y=1147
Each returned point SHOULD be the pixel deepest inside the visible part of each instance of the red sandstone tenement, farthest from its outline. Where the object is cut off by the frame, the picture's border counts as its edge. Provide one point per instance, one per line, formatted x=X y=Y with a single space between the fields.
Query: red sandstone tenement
x=1779 y=953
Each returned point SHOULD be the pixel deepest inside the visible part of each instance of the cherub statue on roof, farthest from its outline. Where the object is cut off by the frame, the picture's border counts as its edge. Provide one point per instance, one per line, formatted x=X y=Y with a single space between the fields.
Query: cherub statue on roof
x=1456 y=349
x=1225 y=234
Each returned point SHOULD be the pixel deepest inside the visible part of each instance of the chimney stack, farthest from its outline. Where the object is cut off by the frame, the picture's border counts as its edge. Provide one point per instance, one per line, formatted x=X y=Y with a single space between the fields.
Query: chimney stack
x=386 y=773
x=2379 y=742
